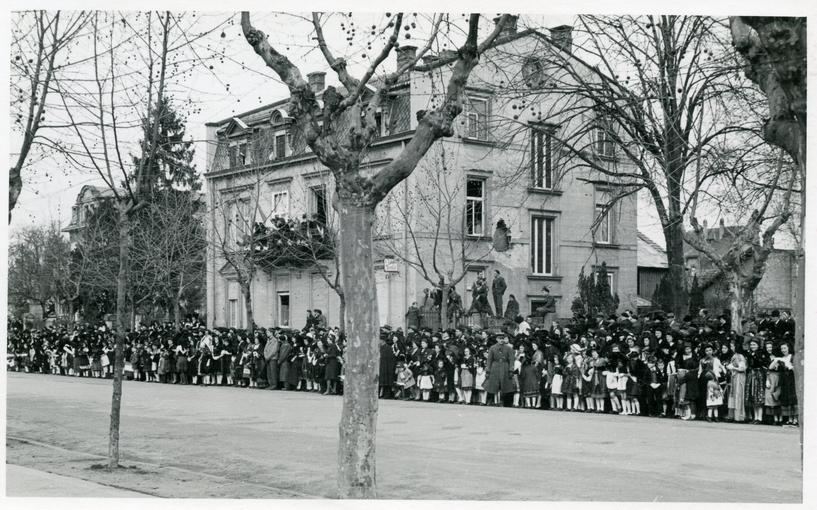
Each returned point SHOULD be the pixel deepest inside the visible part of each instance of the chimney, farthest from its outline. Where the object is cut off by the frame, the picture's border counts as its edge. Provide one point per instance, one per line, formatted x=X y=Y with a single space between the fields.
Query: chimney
x=510 y=26
x=721 y=228
x=317 y=81
x=405 y=55
x=562 y=37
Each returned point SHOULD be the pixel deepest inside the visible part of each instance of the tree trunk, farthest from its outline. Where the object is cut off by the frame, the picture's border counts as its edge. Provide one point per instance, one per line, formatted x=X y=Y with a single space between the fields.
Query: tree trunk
x=121 y=326
x=177 y=314
x=676 y=272
x=15 y=186
x=736 y=302
x=799 y=314
x=342 y=311
x=356 y=449
x=444 y=306
x=799 y=311
x=245 y=289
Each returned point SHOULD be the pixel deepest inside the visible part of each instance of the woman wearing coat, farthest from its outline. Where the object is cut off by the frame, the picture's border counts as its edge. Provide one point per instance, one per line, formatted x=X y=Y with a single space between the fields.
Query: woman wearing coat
x=332 y=373
x=512 y=309
x=736 y=401
x=387 y=369
x=498 y=370
x=284 y=352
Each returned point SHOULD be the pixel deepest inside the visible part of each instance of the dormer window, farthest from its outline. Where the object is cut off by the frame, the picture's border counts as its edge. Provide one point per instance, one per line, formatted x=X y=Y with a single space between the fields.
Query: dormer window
x=276 y=119
x=239 y=154
x=280 y=146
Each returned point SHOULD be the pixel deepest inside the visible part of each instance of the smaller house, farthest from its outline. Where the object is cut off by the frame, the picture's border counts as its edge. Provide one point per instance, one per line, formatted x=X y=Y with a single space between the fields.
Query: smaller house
x=775 y=290
x=652 y=266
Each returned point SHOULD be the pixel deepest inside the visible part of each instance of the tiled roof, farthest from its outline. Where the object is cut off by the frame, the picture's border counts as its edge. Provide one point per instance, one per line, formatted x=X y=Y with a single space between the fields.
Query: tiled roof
x=650 y=254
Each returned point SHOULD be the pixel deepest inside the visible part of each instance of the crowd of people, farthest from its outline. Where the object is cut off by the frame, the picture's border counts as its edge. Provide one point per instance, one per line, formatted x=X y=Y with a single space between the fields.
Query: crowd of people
x=692 y=368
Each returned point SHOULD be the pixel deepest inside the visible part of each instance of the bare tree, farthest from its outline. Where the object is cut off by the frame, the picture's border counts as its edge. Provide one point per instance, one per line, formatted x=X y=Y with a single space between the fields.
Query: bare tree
x=30 y=278
x=743 y=263
x=95 y=116
x=38 y=38
x=169 y=248
x=339 y=132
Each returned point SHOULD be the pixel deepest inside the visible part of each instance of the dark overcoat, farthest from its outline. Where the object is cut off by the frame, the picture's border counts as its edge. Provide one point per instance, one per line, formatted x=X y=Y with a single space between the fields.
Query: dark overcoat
x=498 y=367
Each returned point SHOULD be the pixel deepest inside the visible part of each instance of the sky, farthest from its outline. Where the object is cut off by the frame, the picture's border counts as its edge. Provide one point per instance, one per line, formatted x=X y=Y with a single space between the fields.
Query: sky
x=238 y=81
x=227 y=78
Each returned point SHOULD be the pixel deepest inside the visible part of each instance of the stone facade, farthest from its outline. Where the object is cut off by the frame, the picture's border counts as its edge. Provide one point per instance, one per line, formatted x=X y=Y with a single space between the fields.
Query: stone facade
x=501 y=164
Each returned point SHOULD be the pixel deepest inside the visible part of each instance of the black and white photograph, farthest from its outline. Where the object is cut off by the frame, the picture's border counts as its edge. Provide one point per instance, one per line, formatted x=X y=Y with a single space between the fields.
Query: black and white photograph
x=352 y=252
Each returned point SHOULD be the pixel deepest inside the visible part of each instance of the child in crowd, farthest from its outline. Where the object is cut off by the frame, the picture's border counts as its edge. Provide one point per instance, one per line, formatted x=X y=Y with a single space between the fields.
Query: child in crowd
x=440 y=381
x=622 y=378
x=556 y=398
x=405 y=381
x=467 y=369
x=714 y=396
x=426 y=382
x=479 y=380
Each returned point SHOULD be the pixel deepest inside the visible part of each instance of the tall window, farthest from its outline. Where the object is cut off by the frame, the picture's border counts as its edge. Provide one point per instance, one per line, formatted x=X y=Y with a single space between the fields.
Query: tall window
x=603 y=229
x=232 y=152
x=541 y=245
x=475 y=207
x=283 y=309
x=604 y=144
x=541 y=158
x=317 y=204
x=232 y=313
x=243 y=154
x=280 y=203
x=280 y=146
x=239 y=154
x=475 y=112
x=399 y=114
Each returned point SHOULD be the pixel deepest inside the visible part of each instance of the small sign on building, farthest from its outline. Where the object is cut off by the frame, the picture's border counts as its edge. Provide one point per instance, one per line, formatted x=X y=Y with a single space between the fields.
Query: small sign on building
x=390 y=265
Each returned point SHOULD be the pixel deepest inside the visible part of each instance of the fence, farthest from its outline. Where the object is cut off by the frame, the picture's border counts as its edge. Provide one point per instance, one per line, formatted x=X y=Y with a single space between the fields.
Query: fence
x=431 y=319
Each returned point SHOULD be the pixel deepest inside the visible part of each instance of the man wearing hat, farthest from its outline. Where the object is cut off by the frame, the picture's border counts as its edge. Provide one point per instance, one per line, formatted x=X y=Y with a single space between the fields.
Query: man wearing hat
x=498 y=370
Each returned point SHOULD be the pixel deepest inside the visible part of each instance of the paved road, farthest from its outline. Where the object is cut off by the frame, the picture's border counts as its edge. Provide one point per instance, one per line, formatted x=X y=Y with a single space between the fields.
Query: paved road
x=227 y=442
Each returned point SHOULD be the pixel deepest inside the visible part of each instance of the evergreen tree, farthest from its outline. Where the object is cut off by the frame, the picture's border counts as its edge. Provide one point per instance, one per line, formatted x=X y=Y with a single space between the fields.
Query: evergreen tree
x=595 y=296
x=696 y=297
x=581 y=303
x=663 y=297
x=604 y=300
x=172 y=165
